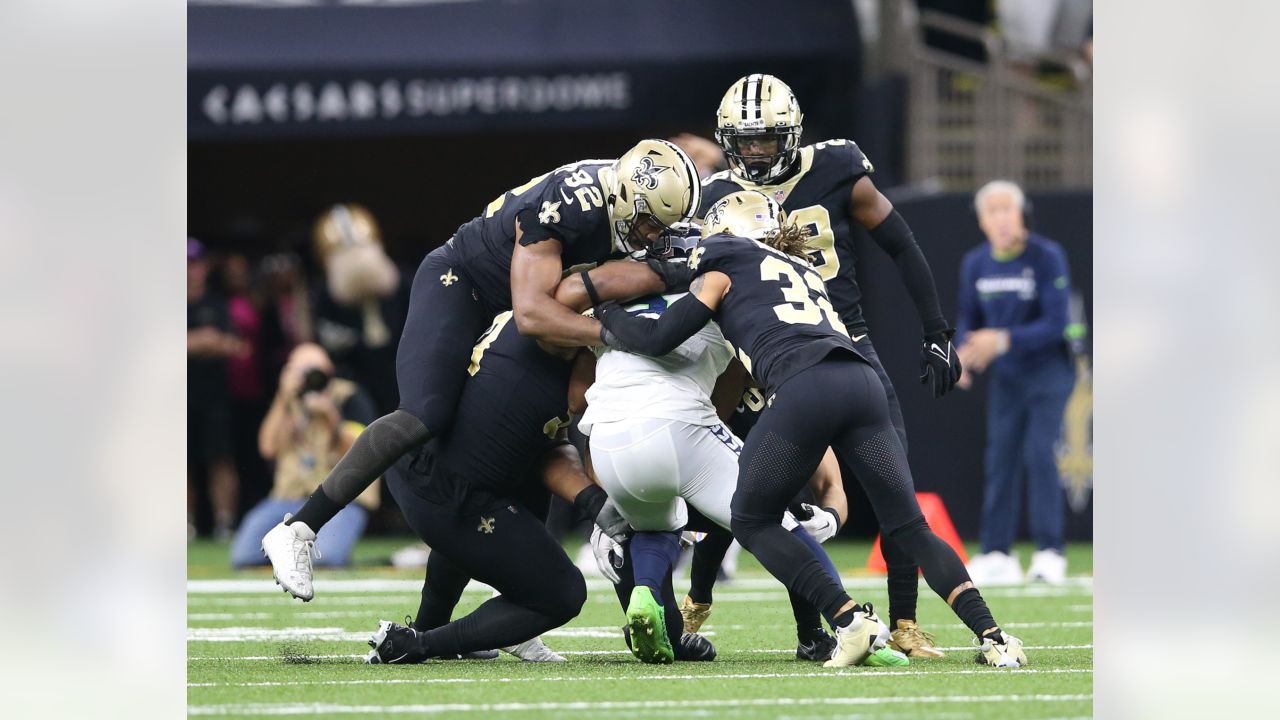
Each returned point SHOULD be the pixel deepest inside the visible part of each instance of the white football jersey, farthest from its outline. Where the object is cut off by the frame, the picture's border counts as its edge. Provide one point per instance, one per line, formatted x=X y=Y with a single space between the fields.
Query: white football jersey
x=676 y=386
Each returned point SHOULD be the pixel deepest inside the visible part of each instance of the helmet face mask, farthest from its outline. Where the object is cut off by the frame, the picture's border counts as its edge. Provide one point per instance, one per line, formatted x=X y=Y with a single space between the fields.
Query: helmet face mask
x=652 y=187
x=758 y=125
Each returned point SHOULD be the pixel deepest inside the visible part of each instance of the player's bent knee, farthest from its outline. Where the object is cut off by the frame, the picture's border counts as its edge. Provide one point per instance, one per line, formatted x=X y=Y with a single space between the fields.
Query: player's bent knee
x=567 y=598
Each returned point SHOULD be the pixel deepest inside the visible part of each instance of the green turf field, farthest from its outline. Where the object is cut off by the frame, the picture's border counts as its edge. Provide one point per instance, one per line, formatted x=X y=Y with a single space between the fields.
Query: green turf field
x=252 y=651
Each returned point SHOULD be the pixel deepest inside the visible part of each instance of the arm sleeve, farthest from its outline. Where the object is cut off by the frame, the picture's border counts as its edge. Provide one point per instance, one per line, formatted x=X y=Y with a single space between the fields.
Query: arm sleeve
x=895 y=238
x=1054 y=288
x=970 y=315
x=657 y=337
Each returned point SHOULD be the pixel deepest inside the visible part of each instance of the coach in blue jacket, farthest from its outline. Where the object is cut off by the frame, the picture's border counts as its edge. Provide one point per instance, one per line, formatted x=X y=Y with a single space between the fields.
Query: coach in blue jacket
x=1013 y=312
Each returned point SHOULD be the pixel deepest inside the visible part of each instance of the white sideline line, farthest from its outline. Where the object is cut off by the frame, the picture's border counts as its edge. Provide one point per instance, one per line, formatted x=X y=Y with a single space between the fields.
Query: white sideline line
x=623 y=652
x=350 y=585
x=865 y=672
x=260 y=634
x=318 y=708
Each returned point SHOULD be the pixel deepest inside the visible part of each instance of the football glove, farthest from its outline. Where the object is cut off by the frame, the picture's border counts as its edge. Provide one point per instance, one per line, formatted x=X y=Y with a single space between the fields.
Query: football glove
x=675 y=275
x=821 y=523
x=939 y=363
x=608 y=555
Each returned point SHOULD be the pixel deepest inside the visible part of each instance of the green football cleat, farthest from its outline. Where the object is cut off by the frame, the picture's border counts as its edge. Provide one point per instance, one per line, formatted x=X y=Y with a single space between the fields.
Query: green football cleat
x=887 y=657
x=647 y=622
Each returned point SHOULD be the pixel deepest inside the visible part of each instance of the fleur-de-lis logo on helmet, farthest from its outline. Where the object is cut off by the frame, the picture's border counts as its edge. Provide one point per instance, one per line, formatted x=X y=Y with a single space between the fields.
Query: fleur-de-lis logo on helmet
x=646 y=174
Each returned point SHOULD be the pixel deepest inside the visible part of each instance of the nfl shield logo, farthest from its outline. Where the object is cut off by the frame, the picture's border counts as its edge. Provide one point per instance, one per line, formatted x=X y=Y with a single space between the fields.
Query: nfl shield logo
x=779 y=195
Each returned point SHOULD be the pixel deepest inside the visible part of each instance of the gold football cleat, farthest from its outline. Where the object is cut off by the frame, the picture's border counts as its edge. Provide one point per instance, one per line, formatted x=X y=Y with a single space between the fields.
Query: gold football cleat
x=694 y=614
x=913 y=642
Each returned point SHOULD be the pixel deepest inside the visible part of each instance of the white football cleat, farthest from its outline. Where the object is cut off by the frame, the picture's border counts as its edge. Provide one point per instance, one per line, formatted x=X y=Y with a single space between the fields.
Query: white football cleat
x=1004 y=651
x=856 y=641
x=1048 y=566
x=289 y=548
x=534 y=651
x=994 y=568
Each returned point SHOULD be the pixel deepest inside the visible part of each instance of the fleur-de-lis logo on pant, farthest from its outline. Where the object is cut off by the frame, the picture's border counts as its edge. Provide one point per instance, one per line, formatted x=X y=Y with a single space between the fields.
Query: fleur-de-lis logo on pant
x=448 y=278
x=486 y=525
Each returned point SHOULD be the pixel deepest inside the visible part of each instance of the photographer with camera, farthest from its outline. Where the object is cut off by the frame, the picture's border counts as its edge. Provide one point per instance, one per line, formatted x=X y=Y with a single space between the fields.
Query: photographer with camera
x=313 y=420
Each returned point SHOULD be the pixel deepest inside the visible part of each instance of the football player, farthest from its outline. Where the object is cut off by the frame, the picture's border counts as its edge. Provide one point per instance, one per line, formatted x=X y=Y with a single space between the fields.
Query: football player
x=657 y=441
x=468 y=496
x=826 y=189
x=753 y=275
x=509 y=258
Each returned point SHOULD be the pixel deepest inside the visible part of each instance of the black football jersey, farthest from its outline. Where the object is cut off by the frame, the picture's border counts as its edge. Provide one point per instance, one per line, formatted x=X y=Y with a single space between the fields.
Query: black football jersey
x=513 y=403
x=567 y=203
x=817 y=197
x=776 y=315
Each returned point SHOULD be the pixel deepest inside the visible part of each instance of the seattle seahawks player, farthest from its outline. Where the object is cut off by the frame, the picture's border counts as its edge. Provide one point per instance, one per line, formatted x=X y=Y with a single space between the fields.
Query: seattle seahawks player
x=826 y=189
x=753 y=276
x=510 y=258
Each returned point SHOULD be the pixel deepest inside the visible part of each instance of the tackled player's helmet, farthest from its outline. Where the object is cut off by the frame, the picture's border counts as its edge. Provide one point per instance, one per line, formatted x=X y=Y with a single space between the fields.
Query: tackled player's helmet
x=654 y=184
x=758 y=127
x=746 y=213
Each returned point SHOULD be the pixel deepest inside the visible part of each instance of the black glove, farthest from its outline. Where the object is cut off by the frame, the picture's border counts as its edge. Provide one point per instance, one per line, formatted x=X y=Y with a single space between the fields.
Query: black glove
x=675 y=275
x=593 y=504
x=939 y=362
x=607 y=337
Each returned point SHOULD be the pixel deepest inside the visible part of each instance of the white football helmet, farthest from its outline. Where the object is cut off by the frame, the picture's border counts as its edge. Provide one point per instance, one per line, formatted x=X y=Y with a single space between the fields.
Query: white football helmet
x=652 y=187
x=746 y=213
x=760 y=111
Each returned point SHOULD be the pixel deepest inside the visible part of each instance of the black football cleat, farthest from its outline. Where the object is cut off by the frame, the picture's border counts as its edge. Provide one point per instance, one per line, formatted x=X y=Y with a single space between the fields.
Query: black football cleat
x=693 y=647
x=818 y=648
x=395 y=644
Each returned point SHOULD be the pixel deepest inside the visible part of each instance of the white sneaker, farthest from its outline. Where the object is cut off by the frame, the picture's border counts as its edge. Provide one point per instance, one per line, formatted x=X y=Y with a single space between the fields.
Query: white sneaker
x=1004 y=651
x=994 y=568
x=856 y=641
x=534 y=651
x=289 y=548
x=1049 y=566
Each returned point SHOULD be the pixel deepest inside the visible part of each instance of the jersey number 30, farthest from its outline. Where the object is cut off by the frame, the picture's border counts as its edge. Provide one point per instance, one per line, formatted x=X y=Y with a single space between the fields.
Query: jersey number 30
x=802 y=307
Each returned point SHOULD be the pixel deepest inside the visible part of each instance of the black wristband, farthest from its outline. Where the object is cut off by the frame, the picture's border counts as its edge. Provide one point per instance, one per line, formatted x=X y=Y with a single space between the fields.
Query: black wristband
x=588 y=502
x=590 y=287
x=835 y=515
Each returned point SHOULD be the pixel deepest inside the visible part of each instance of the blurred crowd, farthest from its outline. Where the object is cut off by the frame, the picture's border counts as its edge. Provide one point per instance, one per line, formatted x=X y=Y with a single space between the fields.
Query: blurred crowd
x=267 y=333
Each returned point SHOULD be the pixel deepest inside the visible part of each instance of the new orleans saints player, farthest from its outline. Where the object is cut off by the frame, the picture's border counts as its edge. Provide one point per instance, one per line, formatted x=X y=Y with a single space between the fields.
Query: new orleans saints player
x=825 y=189
x=509 y=258
x=476 y=495
x=753 y=276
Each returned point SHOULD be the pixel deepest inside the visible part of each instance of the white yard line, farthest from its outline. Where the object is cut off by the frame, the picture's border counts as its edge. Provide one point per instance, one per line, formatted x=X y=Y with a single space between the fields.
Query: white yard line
x=320 y=708
x=862 y=673
x=366 y=585
x=621 y=652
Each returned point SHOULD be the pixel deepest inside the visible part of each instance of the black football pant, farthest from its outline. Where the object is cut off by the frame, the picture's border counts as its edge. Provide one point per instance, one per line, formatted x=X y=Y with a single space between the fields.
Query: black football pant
x=497 y=541
x=840 y=402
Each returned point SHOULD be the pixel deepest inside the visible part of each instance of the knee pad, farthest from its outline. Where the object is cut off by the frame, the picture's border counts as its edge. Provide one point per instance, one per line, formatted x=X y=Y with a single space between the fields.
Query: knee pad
x=569 y=595
x=911 y=528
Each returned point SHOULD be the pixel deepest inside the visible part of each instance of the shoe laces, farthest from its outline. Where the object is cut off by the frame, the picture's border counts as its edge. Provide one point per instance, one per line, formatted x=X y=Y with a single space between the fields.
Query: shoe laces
x=304 y=551
x=914 y=632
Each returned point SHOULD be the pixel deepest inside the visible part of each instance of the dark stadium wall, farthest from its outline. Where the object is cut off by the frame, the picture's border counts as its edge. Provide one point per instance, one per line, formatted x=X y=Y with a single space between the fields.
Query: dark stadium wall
x=947 y=436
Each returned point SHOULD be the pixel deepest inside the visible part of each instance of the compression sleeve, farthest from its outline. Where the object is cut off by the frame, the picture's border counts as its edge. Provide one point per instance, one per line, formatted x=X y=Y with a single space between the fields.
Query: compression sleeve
x=895 y=238
x=657 y=337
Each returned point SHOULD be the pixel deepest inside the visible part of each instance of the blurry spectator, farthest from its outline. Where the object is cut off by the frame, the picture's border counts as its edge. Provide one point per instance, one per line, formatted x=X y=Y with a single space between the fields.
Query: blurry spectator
x=1014 y=295
x=210 y=342
x=360 y=307
x=705 y=154
x=246 y=375
x=287 y=308
x=312 y=422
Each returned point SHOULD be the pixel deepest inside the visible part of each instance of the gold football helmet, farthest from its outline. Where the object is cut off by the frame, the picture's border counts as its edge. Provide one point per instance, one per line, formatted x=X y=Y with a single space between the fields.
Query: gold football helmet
x=346 y=225
x=746 y=213
x=758 y=127
x=652 y=187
